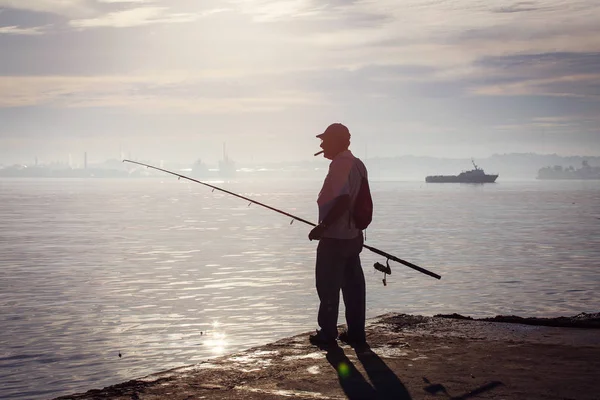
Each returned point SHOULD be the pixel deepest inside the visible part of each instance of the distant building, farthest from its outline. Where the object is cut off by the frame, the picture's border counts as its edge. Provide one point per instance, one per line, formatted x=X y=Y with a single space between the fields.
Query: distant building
x=200 y=170
x=558 y=172
x=226 y=165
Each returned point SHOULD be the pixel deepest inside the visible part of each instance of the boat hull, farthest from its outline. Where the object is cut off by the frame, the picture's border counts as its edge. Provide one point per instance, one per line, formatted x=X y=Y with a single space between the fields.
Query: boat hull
x=461 y=179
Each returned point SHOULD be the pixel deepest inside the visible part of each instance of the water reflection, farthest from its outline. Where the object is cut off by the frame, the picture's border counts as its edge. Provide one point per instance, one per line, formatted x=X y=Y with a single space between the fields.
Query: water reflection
x=216 y=342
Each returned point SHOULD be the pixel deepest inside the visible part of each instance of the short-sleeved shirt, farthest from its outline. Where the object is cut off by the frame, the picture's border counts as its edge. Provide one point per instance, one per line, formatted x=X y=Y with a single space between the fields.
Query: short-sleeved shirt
x=344 y=178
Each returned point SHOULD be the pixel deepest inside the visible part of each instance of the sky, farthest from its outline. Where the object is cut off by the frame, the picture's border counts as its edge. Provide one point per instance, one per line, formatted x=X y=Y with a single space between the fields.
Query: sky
x=176 y=79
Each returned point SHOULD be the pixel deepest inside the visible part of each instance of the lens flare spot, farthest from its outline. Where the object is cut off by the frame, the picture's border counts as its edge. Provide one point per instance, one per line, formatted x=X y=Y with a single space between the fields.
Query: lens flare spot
x=343 y=370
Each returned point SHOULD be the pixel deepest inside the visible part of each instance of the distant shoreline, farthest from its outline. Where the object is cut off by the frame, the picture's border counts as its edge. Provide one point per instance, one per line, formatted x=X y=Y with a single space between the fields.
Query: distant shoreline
x=508 y=166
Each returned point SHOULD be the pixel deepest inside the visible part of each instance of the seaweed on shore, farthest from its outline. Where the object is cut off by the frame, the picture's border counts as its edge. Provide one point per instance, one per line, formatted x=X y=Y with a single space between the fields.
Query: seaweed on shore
x=452 y=316
x=401 y=321
x=582 y=320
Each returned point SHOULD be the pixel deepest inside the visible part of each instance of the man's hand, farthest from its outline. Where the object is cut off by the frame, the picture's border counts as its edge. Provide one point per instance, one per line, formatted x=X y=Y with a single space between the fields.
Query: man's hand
x=317 y=232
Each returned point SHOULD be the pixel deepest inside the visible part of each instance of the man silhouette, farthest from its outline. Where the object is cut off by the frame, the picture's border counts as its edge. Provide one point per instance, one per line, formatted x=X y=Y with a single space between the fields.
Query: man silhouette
x=340 y=242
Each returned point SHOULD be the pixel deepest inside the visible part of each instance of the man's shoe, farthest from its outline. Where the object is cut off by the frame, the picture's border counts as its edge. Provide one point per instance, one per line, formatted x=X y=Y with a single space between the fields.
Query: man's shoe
x=357 y=344
x=320 y=340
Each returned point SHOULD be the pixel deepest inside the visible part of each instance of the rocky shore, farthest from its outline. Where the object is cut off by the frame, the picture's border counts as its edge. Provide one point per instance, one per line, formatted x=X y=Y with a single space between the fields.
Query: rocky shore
x=410 y=357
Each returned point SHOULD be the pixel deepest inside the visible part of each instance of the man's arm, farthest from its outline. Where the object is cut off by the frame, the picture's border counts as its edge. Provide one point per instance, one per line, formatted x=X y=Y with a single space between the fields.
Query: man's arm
x=341 y=205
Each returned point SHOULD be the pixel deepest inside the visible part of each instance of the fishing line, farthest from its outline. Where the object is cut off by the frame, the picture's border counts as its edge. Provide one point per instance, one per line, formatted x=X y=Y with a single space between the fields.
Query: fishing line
x=378 y=266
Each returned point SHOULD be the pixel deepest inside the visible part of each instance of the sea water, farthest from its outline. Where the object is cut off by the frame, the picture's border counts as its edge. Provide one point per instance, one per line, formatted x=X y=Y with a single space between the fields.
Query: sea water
x=102 y=281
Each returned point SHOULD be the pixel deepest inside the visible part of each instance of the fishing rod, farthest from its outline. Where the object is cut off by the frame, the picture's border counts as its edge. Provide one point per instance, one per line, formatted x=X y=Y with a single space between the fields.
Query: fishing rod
x=378 y=266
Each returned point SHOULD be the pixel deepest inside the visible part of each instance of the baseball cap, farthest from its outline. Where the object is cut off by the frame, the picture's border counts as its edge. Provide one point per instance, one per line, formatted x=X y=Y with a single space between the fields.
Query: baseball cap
x=336 y=130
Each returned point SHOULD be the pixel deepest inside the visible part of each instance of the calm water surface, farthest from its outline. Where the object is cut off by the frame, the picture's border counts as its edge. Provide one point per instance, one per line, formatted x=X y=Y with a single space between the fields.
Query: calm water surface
x=168 y=273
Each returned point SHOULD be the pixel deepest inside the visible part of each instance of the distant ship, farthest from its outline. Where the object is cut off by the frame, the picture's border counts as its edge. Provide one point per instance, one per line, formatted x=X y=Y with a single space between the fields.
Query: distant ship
x=476 y=175
x=558 y=172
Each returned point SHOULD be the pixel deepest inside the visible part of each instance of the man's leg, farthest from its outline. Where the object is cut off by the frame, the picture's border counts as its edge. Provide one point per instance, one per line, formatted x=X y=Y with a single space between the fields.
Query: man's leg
x=354 y=292
x=328 y=279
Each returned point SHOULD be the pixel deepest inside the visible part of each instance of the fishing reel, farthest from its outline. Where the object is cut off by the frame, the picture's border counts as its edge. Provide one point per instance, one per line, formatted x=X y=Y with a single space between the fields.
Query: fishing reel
x=385 y=269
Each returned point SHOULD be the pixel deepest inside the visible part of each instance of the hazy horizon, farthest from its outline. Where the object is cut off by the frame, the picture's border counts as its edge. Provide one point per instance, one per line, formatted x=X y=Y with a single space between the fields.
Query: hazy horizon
x=175 y=80
x=78 y=160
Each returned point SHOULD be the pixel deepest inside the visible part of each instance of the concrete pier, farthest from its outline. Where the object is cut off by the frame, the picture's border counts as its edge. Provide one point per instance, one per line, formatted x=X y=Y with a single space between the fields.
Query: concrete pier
x=410 y=357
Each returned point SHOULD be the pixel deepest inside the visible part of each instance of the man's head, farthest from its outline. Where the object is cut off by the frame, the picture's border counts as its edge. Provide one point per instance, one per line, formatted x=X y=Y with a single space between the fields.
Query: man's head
x=334 y=140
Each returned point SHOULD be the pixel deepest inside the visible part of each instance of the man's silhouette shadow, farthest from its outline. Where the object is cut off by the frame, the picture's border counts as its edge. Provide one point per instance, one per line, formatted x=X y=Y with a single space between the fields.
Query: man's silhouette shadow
x=351 y=380
x=385 y=384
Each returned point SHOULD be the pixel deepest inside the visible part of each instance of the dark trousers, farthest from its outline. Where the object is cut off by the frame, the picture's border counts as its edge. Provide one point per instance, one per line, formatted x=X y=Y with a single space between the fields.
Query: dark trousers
x=338 y=268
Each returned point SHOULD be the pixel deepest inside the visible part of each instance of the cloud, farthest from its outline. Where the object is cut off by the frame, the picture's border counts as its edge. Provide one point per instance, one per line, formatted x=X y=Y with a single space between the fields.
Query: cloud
x=587 y=85
x=268 y=10
x=15 y=30
x=183 y=94
x=427 y=64
x=125 y=1
x=330 y=15
x=523 y=6
x=68 y=8
x=134 y=17
x=550 y=74
x=239 y=90
x=570 y=123
x=452 y=35
x=82 y=14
